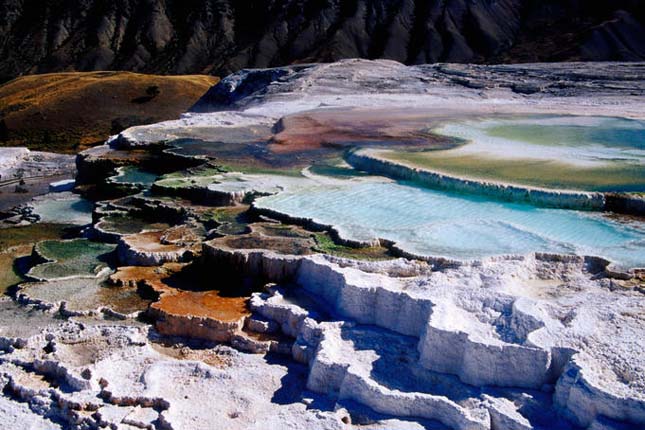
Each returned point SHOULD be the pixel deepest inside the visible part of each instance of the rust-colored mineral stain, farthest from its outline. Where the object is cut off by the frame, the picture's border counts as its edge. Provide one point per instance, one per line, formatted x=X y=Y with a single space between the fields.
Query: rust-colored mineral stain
x=134 y=156
x=181 y=234
x=204 y=304
x=174 y=301
x=122 y=299
x=340 y=128
x=150 y=275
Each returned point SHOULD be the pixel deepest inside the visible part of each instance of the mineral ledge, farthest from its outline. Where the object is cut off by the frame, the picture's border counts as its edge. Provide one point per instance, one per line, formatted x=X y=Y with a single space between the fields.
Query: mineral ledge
x=533 y=341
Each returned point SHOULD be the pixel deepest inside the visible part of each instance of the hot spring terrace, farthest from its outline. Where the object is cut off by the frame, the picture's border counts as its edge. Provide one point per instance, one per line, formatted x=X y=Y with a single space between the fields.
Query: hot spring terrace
x=339 y=246
x=467 y=188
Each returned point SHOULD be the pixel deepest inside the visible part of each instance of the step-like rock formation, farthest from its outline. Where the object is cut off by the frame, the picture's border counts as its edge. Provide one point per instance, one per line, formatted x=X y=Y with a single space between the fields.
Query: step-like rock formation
x=370 y=161
x=154 y=248
x=504 y=323
x=205 y=315
x=530 y=341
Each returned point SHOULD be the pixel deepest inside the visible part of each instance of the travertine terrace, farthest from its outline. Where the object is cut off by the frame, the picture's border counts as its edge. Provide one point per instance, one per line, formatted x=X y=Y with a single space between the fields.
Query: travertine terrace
x=211 y=297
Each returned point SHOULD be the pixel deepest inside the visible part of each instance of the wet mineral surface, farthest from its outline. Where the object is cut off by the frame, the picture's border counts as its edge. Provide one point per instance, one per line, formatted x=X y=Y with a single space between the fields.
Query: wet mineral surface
x=244 y=257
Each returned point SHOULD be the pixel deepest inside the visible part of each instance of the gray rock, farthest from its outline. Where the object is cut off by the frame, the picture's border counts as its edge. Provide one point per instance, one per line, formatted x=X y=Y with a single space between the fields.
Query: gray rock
x=221 y=36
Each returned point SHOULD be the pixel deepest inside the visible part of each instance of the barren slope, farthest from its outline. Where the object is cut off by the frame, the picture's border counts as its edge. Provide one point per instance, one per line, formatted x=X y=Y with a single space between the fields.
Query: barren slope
x=64 y=112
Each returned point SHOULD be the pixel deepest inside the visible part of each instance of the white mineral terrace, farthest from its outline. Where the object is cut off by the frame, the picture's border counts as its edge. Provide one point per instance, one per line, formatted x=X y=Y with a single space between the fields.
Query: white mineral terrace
x=503 y=316
x=536 y=323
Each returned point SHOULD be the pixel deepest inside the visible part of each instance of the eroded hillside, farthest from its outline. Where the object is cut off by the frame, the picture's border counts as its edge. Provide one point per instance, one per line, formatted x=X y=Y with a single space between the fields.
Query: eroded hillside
x=221 y=36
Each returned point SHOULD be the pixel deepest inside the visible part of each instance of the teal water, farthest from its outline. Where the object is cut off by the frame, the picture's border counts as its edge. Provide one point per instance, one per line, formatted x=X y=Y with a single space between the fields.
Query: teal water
x=573 y=131
x=134 y=175
x=592 y=137
x=573 y=152
x=71 y=209
x=436 y=223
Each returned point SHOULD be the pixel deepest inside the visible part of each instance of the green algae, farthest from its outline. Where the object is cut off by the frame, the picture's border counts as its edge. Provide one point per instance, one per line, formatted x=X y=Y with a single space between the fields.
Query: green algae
x=560 y=152
x=326 y=245
x=536 y=173
x=32 y=233
x=282 y=230
x=9 y=274
x=134 y=175
x=226 y=220
x=70 y=258
x=336 y=168
x=16 y=244
x=621 y=137
x=129 y=224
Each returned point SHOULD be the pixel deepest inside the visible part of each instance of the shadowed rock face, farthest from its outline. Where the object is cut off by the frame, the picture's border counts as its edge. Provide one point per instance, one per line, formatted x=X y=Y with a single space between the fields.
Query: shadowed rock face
x=220 y=36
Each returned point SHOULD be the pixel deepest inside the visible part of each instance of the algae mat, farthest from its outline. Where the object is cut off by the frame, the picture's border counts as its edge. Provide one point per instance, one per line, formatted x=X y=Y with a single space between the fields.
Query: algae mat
x=562 y=152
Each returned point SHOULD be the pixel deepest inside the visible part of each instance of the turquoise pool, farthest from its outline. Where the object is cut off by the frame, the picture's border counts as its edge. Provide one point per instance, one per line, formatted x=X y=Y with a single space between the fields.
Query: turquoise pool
x=435 y=223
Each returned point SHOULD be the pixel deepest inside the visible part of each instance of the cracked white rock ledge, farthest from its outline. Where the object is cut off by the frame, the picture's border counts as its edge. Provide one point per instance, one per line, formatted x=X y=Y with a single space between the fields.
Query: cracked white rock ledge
x=535 y=323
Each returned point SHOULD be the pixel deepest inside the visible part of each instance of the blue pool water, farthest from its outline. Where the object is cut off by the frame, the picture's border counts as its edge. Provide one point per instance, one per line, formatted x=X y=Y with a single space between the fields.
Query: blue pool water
x=133 y=175
x=65 y=208
x=436 y=223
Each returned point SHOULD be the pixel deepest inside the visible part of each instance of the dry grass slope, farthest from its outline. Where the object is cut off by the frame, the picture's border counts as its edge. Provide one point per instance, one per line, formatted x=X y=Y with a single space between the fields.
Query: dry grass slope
x=66 y=112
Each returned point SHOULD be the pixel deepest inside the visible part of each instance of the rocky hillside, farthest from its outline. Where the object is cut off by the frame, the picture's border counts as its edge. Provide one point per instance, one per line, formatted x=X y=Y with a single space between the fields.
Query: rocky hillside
x=221 y=36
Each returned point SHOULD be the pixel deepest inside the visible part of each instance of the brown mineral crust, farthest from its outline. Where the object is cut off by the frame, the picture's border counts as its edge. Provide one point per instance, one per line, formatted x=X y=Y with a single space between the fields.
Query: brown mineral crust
x=180 y=312
x=152 y=248
x=341 y=128
x=203 y=304
x=181 y=235
x=150 y=277
x=199 y=314
x=255 y=240
x=150 y=242
x=208 y=355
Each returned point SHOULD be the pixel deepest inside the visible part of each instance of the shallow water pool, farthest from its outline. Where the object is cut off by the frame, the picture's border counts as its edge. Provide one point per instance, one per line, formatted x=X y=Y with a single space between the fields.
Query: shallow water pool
x=134 y=175
x=436 y=223
x=63 y=208
x=585 y=153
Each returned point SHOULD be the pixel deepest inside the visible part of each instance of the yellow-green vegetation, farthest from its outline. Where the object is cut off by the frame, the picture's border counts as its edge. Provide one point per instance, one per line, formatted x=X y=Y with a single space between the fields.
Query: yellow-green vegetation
x=8 y=274
x=129 y=224
x=17 y=242
x=200 y=176
x=284 y=230
x=66 y=258
x=10 y=237
x=336 y=171
x=259 y=170
x=200 y=171
x=537 y=173
x=225 y=214
x=227 y=220
x=571 y=134
x=186 y=182
x=326 y=245
x=66 y=112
